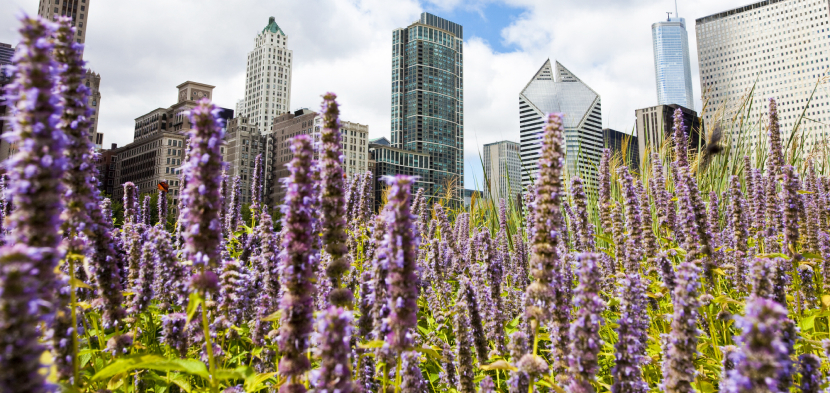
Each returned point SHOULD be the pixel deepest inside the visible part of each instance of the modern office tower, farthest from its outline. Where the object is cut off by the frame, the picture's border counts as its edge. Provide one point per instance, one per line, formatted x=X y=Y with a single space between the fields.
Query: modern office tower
x=655 y=124
x=78 y=10
x=623 y=144
x=780 y=50
x=559 y=90
x=268 y=77
x=354 y=140
x=672 y=68
x=159 y=144
x=428 y=101
x=502 y=171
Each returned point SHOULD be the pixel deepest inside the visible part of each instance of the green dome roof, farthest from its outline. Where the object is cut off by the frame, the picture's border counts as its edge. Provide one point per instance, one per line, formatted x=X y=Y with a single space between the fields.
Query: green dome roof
x=272 y=26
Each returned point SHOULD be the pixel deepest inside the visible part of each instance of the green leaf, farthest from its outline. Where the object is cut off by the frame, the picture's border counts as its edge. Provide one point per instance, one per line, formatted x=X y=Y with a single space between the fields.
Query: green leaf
x=498 y=365
x=181 y=381
x=193 y=305
x=224 y=374
x=273 y=317
x=78 y=283
x=151 y=362
x=371 y=344
x=808 y=323
x=430 y=352
x=804 y=192
x=725 y=299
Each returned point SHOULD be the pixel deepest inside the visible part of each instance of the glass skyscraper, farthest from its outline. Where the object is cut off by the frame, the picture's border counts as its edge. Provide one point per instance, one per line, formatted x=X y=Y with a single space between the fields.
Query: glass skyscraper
x=671 y=63
x=427 y=101
x=556 y=89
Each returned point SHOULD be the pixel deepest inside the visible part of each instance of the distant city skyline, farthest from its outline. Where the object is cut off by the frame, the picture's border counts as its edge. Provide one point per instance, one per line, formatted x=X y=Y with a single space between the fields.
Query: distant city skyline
x=344 y=47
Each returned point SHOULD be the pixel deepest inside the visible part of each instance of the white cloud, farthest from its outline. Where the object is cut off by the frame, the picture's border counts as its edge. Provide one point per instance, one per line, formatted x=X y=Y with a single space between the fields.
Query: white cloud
x=144 y=49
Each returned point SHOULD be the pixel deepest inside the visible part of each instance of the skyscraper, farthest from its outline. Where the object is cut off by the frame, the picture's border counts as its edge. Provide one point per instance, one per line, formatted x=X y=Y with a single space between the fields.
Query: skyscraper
x=776 y=49
x=560 y=91
x=502 y=171
x=428 y=100
x=78 y=10
x=672 y=68
x=268 y=77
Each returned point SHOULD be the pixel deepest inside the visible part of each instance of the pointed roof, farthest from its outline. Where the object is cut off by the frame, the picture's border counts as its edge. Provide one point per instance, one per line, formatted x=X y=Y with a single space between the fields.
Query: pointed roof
x=557 y=89
x=273 y=26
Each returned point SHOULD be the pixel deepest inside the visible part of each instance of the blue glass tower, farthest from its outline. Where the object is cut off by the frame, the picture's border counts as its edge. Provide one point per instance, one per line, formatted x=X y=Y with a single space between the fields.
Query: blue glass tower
x=428 y=101
x=671 y=63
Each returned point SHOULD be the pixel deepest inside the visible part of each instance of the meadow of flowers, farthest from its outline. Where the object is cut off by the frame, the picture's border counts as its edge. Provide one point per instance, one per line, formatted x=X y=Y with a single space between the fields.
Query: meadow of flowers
x=677 y=277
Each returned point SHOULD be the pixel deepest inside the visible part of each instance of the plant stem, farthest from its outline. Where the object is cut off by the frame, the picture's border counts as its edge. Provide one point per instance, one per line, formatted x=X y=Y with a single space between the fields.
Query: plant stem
x=75 y=380
x=208 y=345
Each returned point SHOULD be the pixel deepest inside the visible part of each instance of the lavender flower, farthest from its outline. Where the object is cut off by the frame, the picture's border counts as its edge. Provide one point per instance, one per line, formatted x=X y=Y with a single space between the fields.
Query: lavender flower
x=28 y=261
x=363 y=205
x=234 y=207
x=232 y=299
x=810 y=366
x=547 y=222
x=633 y=219
x=519 y=382
x=494 y=273
x=487 y=385
x=714 y=217
x=808 y=290
x=605 y=188
x=401 y=242
x=585 y=339
x=740 y=233
x=297 y=258
x=256 y=187
x=649 y=239
x=145 y=211
x=162 y=208
x=665 y=213
x=103 y=265
x=776 y=156
x=130 y=203
x=475 y=322
x=666 y=271
x=630 y=349
x=584 y=239
x=267 y=257
x=170 y=288
x=758 y=363
x=681 y=142
x=174 y=333
x=678 y=366
x=412 y=379
x=332 y=202
x=334 y=327
x=143 y=287
x=464 y=344
x=444 y=223
x=789 y=208
x=131 y=240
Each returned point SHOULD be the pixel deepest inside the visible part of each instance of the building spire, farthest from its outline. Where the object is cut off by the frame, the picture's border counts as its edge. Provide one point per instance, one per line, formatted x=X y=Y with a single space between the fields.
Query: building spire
x=676 y=14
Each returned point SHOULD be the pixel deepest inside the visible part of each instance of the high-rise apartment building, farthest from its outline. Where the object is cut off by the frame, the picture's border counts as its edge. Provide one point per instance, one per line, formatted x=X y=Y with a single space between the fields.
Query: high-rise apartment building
x=502 y=171
x=672 y=67
x=428 y=101
x=159 y=144
x=655 y=124
x=78 y=10
x=559 y=90
x=268 y=77
x=779 y=49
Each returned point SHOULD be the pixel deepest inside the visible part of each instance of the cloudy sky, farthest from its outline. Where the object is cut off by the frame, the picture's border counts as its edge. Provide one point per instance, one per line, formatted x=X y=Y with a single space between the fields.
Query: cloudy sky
x=143 y=49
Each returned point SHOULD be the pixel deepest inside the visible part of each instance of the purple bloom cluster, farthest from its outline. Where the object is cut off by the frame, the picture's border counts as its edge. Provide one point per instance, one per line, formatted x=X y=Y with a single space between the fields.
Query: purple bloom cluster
x=334 y=328
x=584 y=333
x=630 y=349
x=256 y=186
x=678 y=366
x=234 y=207
x=775 y=161
x=297 y=263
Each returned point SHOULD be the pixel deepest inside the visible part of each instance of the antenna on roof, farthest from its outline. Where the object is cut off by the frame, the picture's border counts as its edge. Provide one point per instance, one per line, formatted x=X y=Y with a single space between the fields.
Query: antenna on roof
x=677 y=14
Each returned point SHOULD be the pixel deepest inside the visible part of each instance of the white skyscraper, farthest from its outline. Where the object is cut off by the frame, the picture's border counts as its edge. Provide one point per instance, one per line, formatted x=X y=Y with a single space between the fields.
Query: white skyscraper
x=502 y=171
x=779 y=49
x=561 y=91
x=268 y=77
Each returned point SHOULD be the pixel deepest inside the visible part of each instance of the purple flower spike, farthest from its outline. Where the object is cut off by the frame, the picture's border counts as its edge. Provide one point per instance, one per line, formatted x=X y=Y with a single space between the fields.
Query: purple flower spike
x=464 y=344
x=143 y=288
x=256 y=187
x=162 y=207
x=234 y=207
x=174 y=333
x=146 y=218
x=130 y=203
x=334 y=327
x=170 y=288
x=333 y=203
x=27 y=263
x=547 y=236
x=104 y=264
x=740 y=232
x=758 y=363
x=790 y=200
x=681 y=349
x=584 y=333
x=630 y=349
x=605 y=189
x=412 y=379
x=401 y=243
x=776 y=156
x=811 y=379
x=681 y=141
x=584 y=239
x=203 y=171
x=297 y=263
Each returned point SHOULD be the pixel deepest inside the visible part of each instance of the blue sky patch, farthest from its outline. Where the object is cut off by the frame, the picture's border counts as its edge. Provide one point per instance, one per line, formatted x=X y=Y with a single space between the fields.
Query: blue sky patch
x=485 y=21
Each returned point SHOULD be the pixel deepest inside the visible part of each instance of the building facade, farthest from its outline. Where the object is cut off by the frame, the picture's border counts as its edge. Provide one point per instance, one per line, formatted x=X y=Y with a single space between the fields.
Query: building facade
x=78 y=10
x=106 y=169
x=624 y=144
x=159 y=146
x=243 y=142
x=672 y=68
x=354 y=139
x=391 y=161
x=502 y=170
x=654 y=126
x=557 y=90
x=6 y=54
x=777 y=48
x=268 y=77
x=428 y=100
